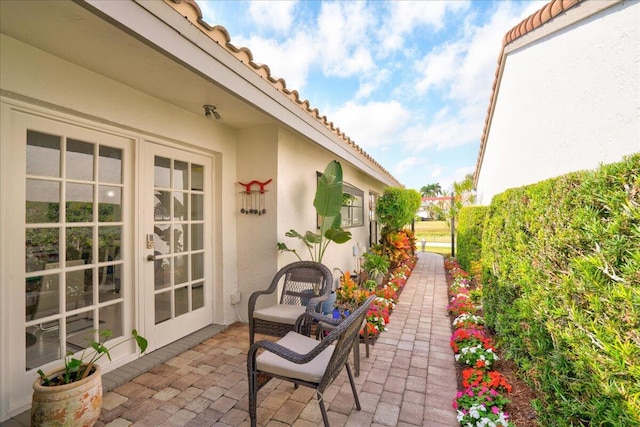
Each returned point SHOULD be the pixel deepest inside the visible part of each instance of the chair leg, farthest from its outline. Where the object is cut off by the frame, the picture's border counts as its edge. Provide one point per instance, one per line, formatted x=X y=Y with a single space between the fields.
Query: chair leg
x=353 y=386
x=356 y=356
x=366 y=342
x=323 y=410
x=253 y=397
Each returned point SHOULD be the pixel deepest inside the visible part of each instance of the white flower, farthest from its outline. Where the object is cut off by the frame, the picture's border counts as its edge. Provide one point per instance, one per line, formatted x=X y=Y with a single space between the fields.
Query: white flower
x=466 y=317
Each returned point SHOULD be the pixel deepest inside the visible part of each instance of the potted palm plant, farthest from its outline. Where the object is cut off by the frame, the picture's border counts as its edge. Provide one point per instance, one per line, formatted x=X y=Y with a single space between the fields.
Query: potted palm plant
x=72 y=395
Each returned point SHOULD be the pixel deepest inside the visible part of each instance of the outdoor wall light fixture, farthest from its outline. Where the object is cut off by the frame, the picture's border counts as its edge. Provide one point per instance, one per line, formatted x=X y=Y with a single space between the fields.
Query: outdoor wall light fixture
x=210 y=111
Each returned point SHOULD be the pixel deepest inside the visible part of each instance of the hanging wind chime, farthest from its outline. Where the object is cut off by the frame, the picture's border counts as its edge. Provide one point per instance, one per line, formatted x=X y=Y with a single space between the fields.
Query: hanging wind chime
x=254 y=201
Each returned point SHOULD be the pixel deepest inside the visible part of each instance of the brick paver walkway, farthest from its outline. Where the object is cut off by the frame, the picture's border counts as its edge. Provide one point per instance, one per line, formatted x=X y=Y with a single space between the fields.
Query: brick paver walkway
x=408 y=380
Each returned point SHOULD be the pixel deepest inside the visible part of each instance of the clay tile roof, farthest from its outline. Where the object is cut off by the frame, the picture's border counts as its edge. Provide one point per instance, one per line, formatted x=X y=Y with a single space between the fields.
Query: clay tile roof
x=220 y=35
x=539 y=18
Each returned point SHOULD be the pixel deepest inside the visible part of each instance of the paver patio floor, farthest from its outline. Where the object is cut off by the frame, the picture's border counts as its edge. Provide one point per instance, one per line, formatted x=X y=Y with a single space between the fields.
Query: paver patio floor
x=409 y=379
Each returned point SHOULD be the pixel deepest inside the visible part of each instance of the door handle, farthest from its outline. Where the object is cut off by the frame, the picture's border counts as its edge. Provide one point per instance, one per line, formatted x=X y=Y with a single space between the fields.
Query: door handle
x=151 y=257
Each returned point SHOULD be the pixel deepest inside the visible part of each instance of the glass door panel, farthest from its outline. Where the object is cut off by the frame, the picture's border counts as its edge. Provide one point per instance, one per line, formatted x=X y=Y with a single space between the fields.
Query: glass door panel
x=73 y=256
x=177 y=248
x=172 y=221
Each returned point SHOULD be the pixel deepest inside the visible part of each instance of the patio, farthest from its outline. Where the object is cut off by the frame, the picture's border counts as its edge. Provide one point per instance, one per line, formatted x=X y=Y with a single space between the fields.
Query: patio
x=408 y=380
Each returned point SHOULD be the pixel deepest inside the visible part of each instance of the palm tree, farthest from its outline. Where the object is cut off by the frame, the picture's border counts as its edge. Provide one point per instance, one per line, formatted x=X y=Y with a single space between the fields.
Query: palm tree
x=463 y=195
x=431 y=190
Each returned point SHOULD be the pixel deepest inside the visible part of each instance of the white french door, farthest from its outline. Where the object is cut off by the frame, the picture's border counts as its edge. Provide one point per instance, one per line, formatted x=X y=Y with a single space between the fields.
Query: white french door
x=90 y=242
x=67 y=208
x=177 y=270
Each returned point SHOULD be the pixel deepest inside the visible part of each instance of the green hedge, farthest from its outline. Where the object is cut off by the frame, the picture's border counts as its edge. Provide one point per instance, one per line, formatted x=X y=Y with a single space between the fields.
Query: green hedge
x=469 y=235
x=561 y=276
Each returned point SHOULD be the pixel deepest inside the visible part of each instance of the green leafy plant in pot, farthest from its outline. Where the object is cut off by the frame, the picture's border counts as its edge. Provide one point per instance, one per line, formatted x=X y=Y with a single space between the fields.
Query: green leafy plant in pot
x=376 y=266
x=328 y=203
x=73 y=395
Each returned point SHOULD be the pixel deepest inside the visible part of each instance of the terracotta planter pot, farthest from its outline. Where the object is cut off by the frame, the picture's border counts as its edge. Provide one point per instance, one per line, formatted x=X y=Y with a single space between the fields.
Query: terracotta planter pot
x=75 y=404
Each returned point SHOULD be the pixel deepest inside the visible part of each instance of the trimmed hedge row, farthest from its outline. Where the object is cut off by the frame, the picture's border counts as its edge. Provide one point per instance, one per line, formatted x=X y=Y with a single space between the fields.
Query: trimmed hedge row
x=561 y=272
x=469 y=235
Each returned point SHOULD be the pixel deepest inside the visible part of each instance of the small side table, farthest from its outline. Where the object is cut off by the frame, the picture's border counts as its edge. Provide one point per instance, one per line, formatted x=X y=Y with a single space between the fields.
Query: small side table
x=322 y=327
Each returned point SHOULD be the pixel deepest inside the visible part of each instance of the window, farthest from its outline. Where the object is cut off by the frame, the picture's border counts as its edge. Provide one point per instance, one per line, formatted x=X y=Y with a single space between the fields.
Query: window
x=352 y=206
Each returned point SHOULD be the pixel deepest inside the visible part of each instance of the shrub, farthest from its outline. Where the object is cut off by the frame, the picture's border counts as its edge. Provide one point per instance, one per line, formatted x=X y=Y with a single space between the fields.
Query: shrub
x=561 y=288
x=397 y=207
x=469 y=235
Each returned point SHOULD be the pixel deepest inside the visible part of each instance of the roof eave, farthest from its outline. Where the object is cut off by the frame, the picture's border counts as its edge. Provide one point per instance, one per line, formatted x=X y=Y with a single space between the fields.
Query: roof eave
x=207 y=50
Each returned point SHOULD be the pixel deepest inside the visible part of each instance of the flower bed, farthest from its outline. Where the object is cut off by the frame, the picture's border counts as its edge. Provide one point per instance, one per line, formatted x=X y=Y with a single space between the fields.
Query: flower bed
x=483 y=399
x=351 y=294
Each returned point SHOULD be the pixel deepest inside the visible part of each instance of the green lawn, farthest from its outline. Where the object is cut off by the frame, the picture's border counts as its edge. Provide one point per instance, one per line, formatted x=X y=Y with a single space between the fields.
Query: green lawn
x=436 y=250
x=433 y=231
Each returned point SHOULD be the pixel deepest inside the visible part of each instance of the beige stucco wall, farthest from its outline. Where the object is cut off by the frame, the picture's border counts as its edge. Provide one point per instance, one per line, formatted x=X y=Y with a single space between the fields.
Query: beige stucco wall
x=256 y=234
x=60 y=86
x=566 y=102
x=298 y=164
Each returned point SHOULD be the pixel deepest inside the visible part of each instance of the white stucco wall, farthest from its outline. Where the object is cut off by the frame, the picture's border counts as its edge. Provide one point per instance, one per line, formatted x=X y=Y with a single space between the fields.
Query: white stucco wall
x=567 y=102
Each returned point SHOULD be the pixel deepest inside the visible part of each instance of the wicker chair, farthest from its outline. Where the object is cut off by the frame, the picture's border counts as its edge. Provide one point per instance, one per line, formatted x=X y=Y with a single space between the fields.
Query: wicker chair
x=304 y=361
x=306 y=285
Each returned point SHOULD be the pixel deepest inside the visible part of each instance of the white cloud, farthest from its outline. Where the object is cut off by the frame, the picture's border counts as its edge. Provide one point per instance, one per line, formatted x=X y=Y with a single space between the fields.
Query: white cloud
x=464 y=67
x=455 y=175
x=344 y=29
x=405 y=16
x=273 y=15
x=408 y=163
x=461 y=72
x=371 y=125
x=446 y=133
x=371 y=82
x=439 y=67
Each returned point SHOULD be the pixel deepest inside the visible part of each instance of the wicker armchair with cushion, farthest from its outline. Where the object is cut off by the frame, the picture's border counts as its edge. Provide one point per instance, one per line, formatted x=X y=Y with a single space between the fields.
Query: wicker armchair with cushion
x=305 y=361
x=305 y=285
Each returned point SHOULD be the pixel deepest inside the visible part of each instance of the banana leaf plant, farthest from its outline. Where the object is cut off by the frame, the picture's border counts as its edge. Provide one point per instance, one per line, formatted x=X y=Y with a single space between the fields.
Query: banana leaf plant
x=328 y=203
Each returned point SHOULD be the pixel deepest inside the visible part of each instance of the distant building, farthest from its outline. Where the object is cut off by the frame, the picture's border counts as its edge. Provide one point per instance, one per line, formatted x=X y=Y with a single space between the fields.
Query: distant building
x=431 y=206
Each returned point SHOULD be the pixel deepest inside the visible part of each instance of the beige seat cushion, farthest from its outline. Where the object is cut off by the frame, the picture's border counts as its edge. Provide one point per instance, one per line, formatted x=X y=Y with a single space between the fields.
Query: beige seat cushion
x=282 y=313
x=310 y=372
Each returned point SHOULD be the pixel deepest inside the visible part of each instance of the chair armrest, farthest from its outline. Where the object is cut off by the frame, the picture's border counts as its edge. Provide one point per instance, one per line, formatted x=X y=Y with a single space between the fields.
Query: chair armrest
x=313 y=315
x=285 y=352
x=254 y=298
x=315 y=301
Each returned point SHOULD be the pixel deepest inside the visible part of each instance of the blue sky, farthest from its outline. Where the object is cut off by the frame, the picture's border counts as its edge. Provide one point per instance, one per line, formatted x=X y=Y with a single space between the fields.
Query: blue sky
x=407 y=81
